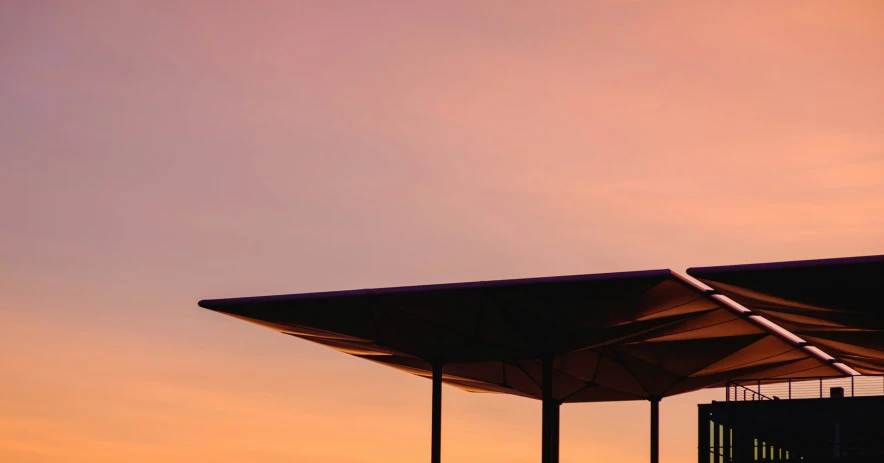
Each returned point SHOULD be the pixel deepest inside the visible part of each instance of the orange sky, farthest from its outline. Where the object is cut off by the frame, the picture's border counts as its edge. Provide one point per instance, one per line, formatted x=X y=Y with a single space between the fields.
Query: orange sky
x=156 y=153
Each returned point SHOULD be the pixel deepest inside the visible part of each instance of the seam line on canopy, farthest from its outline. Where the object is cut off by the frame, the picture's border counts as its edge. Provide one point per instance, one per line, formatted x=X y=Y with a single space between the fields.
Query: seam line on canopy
x=738 y=308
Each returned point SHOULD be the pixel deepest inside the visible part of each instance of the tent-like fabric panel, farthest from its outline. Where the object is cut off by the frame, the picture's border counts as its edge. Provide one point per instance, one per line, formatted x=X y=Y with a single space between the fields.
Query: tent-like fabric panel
x=833 y=304
x=622 y=336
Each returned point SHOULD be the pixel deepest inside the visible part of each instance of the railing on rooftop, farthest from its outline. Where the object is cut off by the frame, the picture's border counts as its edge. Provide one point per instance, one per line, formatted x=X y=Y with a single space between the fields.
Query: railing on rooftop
x=804 y=388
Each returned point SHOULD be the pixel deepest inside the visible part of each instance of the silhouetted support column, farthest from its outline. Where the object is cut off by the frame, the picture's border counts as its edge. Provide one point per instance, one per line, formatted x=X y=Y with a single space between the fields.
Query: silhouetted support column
x=550 y=432
x=555 y=415
x=655 y=430
x=436 y=442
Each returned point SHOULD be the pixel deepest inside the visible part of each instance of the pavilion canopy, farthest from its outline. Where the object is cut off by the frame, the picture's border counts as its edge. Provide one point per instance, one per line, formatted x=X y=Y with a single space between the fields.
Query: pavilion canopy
x=621 y=336
x=834 y=304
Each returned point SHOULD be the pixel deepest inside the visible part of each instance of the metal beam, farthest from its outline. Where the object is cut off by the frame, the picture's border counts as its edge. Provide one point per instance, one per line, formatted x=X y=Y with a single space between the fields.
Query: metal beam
x=436 y=445
x=550 y=432
x=555 y=409
x=655 y=430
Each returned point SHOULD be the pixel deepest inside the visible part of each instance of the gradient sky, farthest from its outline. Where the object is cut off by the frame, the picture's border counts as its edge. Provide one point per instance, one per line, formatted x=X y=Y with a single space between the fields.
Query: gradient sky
x=156 y=153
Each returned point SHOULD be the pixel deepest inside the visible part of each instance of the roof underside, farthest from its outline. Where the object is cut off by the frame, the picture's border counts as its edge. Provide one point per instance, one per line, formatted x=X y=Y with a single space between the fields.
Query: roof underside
x=831 y=303
x=622 y=336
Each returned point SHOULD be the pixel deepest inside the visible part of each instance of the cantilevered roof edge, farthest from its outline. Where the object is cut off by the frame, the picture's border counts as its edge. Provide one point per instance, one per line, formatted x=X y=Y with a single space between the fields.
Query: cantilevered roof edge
x=219 y=304
x=785 y=265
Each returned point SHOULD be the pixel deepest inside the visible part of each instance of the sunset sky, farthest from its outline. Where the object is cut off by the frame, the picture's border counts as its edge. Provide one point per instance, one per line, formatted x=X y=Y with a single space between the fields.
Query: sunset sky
x=156 y=153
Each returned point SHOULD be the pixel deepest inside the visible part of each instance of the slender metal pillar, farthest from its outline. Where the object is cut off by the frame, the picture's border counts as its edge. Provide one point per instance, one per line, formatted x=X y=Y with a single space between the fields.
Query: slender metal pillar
x=655 y=430
x=550 y=432
x=436 y=442
x=555 y=410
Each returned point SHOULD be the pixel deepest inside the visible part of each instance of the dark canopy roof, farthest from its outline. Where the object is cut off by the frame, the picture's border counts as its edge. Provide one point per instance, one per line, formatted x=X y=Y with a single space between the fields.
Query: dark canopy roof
x=620 y=336
x=834 y=304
